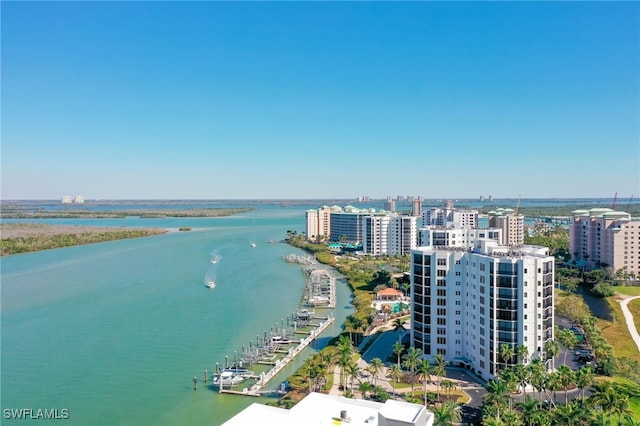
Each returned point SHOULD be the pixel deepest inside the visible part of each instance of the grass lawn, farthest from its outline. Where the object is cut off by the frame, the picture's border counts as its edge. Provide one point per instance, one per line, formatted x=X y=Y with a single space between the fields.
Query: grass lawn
x=633 y=388
x=628 y=290
x=617 y=333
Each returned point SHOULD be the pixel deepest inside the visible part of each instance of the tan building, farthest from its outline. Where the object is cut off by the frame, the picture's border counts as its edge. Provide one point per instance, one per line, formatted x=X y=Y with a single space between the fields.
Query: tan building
x=605 y=237
x=318 y=223
x=511 y=223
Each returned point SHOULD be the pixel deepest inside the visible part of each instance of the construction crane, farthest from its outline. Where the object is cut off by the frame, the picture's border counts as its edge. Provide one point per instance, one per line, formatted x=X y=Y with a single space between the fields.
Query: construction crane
x=615 y=202
x=629 y=203
x=517 y=206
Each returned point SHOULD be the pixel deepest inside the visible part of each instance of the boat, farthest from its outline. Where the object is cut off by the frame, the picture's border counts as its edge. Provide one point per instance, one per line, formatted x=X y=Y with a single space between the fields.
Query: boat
x=252 y=244
x=211 y=284
x=215 y=259
x=280 y=340
x=229 y=378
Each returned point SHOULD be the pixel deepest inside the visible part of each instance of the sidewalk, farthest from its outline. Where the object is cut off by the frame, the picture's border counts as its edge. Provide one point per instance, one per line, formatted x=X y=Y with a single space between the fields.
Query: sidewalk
x=629 y=318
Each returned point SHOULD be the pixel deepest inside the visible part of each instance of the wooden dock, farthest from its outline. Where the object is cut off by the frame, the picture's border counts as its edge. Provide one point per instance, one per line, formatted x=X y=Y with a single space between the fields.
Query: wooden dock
x=279 y=364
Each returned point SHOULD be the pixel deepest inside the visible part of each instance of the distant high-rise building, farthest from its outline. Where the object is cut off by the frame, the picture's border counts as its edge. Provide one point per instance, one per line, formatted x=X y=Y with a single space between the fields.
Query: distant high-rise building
x=318 y=223
x=390 y=205
x=511 y=223
x=416 y=209
x=66 y=199
x=79 y=199
x=602 y=236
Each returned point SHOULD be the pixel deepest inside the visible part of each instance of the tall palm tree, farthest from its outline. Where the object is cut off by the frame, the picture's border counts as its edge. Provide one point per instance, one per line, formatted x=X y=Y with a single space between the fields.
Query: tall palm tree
x=584 y=378
x=523 y=354
x=398 y=348
x=538 y=375
x=497 y=395
x=553 y=385
x=375 y=367
x=566 y=376
x=395 y=374
x=353 y=371
x=411 y=362
x=349 y=325
x=567 y=339
x=398 y=327
x=424 y=374
x=521 y=372
x=552 y=350
x=439 y=370
x=506 y=353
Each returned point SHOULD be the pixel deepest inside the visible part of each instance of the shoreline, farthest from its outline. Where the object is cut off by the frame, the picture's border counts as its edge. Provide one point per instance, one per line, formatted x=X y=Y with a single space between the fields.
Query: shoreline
x=16 y=238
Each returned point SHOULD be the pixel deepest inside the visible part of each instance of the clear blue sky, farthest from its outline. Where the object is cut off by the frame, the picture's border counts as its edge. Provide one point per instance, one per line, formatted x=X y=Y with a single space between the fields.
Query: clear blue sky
x=316 y=100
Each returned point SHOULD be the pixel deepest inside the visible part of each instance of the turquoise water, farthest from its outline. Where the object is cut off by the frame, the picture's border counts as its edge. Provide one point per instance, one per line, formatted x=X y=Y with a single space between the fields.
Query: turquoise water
x=115 y=332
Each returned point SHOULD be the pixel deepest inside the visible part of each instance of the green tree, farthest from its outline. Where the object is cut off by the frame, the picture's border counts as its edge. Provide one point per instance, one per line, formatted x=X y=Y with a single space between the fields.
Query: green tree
x=424 y=375
x=411 y=362
x=395 y=374
x=506 y=353
x=398 y=348
x=375 y=367
x=446 y=414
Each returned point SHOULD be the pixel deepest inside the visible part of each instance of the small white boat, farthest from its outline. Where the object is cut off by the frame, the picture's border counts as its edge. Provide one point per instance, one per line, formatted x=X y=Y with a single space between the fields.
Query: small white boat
x=252 y=244
x=211 y=284
x=280 y=340
x=215 y=259
x=229 y=378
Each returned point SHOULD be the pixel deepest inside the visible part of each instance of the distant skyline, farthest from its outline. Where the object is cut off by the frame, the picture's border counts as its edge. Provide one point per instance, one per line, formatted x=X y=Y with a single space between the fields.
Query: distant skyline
x=320 y=100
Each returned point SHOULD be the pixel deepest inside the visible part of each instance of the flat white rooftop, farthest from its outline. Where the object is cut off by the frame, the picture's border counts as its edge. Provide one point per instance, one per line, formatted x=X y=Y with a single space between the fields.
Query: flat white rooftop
x=321 y=409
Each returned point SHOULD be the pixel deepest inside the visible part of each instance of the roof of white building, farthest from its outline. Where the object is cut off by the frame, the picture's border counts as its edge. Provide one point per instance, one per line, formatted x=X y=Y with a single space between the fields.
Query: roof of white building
x=321 y=409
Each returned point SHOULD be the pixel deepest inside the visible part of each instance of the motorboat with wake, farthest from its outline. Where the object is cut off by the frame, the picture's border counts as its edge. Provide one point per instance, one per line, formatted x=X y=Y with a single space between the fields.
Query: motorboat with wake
x=215 y=259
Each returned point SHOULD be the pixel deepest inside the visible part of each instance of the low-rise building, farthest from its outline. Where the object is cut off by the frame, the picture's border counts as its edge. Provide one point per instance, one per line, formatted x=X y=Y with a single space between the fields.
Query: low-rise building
x=331 y=410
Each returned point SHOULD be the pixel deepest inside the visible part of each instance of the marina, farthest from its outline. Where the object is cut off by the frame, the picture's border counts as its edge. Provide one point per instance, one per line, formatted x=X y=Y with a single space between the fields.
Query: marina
x=280 y=346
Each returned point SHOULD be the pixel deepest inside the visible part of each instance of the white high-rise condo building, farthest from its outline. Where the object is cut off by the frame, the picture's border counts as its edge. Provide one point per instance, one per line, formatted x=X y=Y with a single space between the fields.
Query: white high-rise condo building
x=608 y=238
x=450 y=217
x=466 y=304
x=403 y=234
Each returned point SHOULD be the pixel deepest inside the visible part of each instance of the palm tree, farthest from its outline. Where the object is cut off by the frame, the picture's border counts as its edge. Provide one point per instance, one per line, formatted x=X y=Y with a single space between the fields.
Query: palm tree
x=566 y=377
x=398 y=326
x=411 y=362
x=350 y=325
x=439 y=370
x=584 y=378
x=523 y=354
x=353 y=371
x=552 y=350
x=424 y=374
x=521 y=372
x=506 y=353
x=365 y=387
x=447 y=414
x=567 y=339
x=397 y=349
x=497 y=395
x=448 y=386
x=553 y=384
x=395 y=373
x=528 y=408
x=375 y=367
x=538 y=375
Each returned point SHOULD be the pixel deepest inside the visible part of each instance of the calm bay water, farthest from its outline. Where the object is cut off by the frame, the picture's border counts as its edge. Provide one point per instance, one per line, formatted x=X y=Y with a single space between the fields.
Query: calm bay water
x=114 y=332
